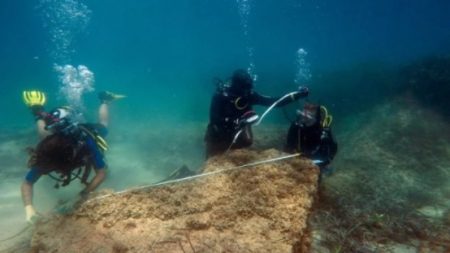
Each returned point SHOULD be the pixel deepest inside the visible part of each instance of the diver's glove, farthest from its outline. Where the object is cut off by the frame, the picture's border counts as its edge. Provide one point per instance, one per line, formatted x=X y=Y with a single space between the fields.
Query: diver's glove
x=35 y=100
x=302 y=92
x=31 y=215
x=247 y=118
x=325 y=135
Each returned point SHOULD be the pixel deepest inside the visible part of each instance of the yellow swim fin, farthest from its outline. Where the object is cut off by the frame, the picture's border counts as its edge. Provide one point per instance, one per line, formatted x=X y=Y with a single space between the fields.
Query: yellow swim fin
x=107 y=96
x=33 y=98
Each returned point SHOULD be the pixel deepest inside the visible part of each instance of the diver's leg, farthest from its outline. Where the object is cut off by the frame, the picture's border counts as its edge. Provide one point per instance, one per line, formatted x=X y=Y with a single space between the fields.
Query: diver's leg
x=246 y=138
x=105 y=98
x=215 y=141
x=35 y=101
x=103 y=114
x=42 y=132
x=215 y=148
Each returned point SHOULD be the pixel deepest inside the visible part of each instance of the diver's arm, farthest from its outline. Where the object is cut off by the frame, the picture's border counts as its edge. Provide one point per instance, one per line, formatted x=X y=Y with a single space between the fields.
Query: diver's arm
x=327 y=146
x=39 y=115
x=27 y=193
x=99 y=166
x=100 y=175
x=103 y=114
x=42 y=132
x=258 y=99
x=31 y=177
x=27 y=198
x=268 y=101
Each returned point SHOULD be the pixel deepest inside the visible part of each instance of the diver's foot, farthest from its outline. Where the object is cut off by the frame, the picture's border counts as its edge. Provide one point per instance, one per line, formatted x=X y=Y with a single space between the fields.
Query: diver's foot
x=107 y=97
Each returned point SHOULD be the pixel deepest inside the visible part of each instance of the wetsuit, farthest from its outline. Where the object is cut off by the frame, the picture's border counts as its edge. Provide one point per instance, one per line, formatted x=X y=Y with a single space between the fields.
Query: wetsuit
x=314 y=142
x=81 y=150
x=226 y=111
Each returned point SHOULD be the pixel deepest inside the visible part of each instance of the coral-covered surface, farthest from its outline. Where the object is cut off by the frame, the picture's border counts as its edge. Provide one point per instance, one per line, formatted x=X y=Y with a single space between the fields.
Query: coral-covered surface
x=256 y=209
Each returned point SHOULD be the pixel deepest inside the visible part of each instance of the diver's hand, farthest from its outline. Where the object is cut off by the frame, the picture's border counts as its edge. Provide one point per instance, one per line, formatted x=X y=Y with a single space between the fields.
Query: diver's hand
x=31 y=215
x=325 y=135
x=239 y=124
x=247 y=118
x=302 y=92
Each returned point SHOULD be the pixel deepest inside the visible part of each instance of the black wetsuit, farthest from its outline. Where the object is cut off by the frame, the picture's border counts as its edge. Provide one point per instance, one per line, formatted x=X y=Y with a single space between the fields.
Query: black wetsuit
x=225 y=112
x=315 y=142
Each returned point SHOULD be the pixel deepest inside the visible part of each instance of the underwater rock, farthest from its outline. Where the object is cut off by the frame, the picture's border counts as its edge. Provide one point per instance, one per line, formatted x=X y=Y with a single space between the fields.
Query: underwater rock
x=256 y=209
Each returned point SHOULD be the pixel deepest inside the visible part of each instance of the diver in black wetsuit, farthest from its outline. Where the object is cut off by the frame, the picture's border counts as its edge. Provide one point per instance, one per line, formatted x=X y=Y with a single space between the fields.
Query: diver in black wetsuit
x=311 y=136
x=231 y=111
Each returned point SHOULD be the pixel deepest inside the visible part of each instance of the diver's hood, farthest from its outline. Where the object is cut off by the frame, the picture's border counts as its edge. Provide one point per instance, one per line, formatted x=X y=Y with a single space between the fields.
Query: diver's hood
x=241 y=83
x=309 y=116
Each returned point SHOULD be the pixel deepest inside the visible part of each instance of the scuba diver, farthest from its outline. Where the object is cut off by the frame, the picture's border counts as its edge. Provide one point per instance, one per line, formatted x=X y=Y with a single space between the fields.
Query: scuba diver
x=231 y=113
x=310 y=134
x=67 y=147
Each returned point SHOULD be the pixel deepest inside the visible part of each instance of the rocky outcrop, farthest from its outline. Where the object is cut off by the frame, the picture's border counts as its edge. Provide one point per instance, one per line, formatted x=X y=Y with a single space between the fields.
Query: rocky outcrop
x=255 y=209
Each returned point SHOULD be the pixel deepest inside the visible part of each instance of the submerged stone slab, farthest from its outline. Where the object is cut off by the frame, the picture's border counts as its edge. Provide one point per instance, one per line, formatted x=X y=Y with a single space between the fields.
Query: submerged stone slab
x=257 y=209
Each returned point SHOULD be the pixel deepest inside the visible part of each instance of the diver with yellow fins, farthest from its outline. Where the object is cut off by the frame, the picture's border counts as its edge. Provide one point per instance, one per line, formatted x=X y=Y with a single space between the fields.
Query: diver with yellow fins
x=67 y=147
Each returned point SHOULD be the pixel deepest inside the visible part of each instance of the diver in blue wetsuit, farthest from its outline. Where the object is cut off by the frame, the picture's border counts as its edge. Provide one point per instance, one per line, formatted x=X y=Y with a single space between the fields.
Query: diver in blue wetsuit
x=231 y=111
x=67 y=147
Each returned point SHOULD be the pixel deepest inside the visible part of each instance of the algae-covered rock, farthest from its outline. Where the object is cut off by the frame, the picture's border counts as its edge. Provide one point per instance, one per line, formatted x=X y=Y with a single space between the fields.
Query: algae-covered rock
x=256 y=209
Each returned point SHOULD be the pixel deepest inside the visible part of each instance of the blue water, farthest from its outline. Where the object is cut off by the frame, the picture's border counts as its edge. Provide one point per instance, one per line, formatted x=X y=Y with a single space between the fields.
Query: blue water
x=164 y=54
